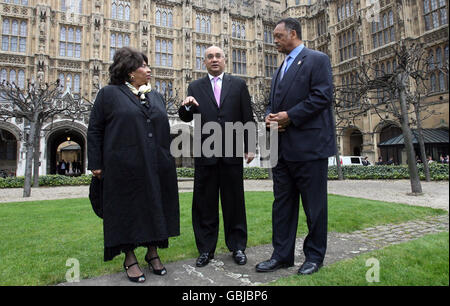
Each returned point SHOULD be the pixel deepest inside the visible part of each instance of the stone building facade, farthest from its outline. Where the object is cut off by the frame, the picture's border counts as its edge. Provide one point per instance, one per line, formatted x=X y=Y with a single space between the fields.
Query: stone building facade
x=74 y=40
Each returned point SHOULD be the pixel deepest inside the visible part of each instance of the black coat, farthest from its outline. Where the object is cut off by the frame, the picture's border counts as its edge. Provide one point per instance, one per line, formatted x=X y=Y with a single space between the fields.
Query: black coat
x=235 y=106
x=131 y=144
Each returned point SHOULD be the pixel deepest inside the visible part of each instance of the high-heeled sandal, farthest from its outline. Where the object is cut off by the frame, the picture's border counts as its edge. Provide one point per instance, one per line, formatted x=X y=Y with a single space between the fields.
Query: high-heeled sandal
x=162 y=271
x=136 y=279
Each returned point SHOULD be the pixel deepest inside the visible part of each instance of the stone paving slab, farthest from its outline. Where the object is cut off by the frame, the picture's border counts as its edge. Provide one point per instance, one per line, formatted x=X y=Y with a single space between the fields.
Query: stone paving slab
x=222 y=271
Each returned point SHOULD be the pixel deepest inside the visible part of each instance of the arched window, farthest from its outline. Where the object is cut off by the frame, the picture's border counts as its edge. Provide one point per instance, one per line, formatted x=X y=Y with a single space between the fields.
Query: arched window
x=170 y=20
x=158 y=17
x=164 y=19
x=114 y=10
x=76 y=83
x=12 y=76
x=127 y=12
x=197 y=24
x=3 y=75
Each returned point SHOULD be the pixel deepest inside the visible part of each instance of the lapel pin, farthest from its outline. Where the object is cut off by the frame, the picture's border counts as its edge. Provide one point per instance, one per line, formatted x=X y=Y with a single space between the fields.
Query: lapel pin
x=299 y=63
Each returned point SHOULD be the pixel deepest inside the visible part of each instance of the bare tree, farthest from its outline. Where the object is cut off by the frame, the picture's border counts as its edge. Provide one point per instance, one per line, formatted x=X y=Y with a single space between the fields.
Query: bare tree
x=389 y=92
x=37 y=104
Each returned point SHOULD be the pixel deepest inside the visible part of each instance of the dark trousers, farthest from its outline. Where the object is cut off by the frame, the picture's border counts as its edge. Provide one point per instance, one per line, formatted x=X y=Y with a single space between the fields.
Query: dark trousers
x=292 y=180
x=209 y=182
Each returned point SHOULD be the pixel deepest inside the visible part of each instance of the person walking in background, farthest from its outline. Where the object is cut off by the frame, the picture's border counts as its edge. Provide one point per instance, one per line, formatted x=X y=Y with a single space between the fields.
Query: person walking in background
x=301 y=104
x=219 y=97
x=366 y=161
x=129 y=150
x=390 y=161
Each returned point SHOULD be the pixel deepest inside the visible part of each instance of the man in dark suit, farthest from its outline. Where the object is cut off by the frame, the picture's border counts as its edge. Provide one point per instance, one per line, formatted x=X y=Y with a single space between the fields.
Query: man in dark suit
x=300 y=103
x=219 y=98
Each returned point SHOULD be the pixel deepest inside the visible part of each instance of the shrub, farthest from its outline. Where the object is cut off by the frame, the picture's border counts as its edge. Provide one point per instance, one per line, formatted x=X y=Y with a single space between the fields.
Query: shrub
x=438 y=172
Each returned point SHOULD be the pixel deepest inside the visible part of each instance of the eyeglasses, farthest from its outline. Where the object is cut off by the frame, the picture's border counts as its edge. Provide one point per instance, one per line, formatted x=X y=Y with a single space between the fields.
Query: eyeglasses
x=217 y=55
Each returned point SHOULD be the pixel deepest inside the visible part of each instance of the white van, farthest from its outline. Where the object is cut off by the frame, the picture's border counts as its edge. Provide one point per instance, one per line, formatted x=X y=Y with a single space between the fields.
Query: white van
x=346 y=160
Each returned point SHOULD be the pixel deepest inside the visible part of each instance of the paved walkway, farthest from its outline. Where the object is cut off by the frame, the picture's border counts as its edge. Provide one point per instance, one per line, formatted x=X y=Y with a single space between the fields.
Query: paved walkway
x=436 y=194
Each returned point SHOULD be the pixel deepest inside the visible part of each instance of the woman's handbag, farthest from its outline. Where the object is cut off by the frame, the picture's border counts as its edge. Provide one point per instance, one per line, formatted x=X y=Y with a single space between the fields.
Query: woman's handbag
x=96 y=196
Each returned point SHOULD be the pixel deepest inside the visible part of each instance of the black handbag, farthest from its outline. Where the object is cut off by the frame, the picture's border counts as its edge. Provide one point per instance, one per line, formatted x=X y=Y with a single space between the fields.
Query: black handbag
x=96 y=196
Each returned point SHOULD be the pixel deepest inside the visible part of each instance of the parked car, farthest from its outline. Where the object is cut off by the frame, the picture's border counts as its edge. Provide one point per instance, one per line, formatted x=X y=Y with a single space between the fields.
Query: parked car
x=346 y=160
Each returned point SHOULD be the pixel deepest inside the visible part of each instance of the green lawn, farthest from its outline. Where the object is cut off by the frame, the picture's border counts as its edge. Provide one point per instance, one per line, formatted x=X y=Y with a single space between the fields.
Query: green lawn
x=421 y=262
x=38 y=237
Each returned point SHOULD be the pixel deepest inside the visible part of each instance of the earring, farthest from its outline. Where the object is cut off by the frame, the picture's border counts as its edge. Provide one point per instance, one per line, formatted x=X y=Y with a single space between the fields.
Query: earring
x=132 y=76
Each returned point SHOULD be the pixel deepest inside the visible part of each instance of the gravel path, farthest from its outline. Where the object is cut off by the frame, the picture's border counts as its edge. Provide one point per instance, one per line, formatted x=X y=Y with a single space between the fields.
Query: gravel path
x=435 y=194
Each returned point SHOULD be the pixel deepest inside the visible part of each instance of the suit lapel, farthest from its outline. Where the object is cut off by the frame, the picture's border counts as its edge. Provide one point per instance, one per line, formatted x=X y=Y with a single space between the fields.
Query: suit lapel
x=226 y=85
x=275 y=80
x=207 y=88
x=289 y=76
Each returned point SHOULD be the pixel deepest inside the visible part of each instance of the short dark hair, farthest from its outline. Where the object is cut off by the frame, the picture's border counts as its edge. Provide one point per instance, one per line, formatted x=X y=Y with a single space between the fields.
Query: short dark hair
x=292 y=24
x=125 y=60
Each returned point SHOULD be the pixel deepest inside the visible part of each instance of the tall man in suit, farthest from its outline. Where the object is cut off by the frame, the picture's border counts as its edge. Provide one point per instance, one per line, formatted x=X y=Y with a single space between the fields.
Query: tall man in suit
x=220 y=98
x=300 y=102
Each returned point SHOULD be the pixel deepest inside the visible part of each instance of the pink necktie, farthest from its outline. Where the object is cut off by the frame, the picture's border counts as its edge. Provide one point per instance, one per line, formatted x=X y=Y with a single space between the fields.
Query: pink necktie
x=217 y=90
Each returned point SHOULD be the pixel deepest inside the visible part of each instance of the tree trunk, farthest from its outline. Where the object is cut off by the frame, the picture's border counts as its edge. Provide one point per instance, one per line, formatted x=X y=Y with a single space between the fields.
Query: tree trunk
x=423 y=155
x=337 y=156
x=36 y=155
x=29 y=160
x=416 y=187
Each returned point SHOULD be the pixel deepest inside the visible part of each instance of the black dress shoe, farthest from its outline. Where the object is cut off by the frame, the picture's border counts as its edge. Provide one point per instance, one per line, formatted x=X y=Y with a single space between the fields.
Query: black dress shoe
x=203 y=259
x=271 y=265
x=239 y=257
x=309 y=268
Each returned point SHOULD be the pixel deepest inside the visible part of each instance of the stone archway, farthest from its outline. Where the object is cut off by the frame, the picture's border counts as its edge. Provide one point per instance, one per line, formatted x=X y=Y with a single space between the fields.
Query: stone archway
x=352 y=142
x=8 y=150
x=69 y=137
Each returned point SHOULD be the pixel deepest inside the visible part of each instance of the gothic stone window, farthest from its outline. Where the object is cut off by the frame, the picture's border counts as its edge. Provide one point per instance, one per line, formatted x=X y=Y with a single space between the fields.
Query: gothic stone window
x=438 y=59
x=14 y=35
x=13 y=76
x=70 y=41
x=270 y=63
x=238 y=29
x=435 y=13
x=199 y=54
x=383 y=32
x=345 y=9
x=70 y=81
x=118 y=40
x=203 y=23
x=164 y=52
x=347 y=45
x=120 y=10
x=164 y=16
x=75 y=6
x=239 y=61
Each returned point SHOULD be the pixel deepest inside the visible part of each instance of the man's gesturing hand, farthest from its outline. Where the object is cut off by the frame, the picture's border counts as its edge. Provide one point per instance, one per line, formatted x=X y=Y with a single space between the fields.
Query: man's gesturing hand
x=189 y=101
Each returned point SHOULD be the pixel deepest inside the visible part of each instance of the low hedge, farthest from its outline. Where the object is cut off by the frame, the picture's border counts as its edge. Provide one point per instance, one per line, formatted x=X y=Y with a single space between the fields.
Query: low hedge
x=438 y=172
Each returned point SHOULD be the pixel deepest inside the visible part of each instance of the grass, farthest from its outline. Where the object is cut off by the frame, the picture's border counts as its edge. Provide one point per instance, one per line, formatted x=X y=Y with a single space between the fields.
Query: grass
x=39 y=237
x=421 y=262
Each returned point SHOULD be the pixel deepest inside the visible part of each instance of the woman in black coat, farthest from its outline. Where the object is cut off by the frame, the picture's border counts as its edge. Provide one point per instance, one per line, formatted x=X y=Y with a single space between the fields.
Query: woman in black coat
x=129 y=149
